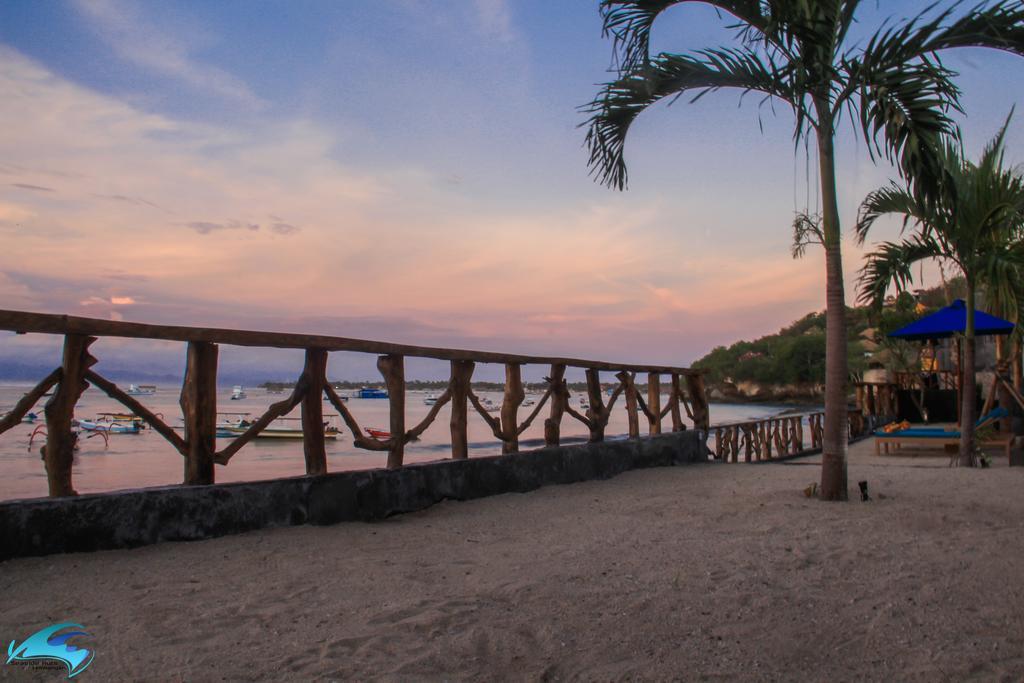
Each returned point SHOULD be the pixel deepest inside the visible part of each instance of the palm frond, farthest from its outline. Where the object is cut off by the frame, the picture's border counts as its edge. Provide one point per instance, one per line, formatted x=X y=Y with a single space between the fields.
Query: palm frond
x=619 y=103
x=892 y=264
x=890 y=200
x=907 y=94
x=629 y=24
x=996 y=25
x=806 y=230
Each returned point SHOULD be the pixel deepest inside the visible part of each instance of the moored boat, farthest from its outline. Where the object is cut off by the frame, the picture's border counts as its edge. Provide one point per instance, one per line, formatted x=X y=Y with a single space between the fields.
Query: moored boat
x=281 y=428
x=378 y=433
x=110 y=427
x=371 y=392
x=238 y=392
x=141 y=389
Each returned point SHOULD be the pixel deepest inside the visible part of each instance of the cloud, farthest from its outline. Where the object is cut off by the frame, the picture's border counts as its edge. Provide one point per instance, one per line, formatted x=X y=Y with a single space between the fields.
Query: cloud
x=495 y=19
x=123 y=198
x=283 y=228
x=159 y=48
x=206 y=227
x=388 y=252
x=34 y=188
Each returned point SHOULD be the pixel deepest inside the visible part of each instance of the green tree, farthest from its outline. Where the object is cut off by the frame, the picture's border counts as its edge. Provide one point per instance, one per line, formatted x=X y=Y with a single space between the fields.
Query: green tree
x=798 y=52
x=976 y=225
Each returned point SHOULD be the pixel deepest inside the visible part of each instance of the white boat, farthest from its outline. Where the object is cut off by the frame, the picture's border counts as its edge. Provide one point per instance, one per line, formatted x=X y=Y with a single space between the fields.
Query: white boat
x=528 y=402
x=430 y=400
x=130 y=427
x=238 y=392
x=489 y=405
x=141 y=389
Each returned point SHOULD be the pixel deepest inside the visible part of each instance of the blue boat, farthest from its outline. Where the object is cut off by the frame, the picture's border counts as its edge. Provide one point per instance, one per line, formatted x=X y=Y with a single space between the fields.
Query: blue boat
x=370 y=392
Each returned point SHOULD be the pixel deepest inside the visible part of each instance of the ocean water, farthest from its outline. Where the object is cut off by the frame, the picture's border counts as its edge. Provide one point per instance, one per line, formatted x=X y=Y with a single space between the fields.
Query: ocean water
x=146 y=459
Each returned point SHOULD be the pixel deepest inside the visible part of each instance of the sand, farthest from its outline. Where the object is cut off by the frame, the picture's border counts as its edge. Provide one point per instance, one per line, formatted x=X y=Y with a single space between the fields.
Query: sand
x=717 y=572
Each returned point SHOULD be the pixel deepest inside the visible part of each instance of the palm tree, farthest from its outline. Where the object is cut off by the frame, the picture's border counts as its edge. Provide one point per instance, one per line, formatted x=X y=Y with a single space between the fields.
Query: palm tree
x=977 y=227
x=798 y=52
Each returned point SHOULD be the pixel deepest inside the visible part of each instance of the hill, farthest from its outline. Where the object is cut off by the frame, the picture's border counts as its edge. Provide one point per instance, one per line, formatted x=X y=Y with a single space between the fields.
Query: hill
x=790 y=364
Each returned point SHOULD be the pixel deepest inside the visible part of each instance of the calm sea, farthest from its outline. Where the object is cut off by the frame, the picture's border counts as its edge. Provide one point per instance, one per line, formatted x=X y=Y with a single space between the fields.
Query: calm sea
x=146 y=459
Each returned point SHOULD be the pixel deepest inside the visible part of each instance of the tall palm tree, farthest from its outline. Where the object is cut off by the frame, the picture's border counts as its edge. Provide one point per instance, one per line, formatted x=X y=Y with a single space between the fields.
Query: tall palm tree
x=798 y=52
x=977 y=227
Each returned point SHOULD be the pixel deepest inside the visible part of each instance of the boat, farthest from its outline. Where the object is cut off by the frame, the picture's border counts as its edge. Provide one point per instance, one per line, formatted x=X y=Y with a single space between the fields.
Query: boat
x=278 y=429
x=238 y=392
x=528 y=402
x=30 y=418
x=489 y=405
x=110 y=427
x=141 y=389
x=430 y=400
x=118 y=417
x=371 y=392
x=378 y=433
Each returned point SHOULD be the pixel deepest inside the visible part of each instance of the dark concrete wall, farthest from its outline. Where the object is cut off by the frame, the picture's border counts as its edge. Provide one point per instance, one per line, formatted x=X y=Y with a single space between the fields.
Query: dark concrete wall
x=180 y=513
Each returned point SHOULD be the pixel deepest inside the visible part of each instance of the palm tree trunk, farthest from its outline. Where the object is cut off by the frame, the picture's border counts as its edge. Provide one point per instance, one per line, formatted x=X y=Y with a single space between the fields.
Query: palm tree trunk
x=834 y=438
x=969 y=387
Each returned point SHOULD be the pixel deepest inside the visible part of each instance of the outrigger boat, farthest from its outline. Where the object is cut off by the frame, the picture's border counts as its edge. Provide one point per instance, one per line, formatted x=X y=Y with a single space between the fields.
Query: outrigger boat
x=110 y=427
x=273 y=430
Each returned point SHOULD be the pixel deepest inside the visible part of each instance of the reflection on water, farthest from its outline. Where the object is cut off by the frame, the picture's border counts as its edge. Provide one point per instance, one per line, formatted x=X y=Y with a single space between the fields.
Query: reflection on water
x=145 y=459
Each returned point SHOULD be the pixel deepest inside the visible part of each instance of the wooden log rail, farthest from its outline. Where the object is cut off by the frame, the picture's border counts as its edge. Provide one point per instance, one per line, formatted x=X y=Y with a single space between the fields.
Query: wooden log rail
x=198 y=444
x=912 y=380
x=779 y=437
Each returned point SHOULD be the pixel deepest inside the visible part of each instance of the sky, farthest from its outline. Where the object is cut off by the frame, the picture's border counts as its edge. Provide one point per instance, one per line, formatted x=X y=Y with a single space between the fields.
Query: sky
x=404 y=170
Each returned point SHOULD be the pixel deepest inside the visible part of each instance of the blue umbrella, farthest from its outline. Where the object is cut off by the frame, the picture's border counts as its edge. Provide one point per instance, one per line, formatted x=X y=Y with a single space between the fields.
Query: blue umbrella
x=952 y=320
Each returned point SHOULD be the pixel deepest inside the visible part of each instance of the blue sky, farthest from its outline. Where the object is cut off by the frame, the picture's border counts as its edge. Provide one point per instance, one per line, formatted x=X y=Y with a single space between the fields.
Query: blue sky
x=406 y=170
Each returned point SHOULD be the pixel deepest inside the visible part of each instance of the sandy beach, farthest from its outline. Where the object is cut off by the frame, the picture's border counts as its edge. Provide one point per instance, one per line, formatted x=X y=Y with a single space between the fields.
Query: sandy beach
x=717 y=572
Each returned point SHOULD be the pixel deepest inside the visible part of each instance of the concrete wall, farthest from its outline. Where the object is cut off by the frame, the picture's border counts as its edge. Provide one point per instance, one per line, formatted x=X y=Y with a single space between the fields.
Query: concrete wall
x=181 y=513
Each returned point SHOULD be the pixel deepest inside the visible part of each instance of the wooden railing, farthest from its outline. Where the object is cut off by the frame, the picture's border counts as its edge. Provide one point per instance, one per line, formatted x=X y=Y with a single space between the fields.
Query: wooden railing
x=778 y=437
x=198 y=401
x=912 y=380
x=877 y=400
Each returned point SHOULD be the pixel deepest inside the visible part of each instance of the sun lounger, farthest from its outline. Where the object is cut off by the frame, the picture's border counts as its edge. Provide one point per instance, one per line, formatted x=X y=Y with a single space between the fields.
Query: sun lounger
x=935 y=436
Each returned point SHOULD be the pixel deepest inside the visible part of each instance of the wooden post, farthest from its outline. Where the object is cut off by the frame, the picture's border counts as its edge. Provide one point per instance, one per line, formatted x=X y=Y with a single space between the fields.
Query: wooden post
x=654 y=401
x=598 y=420
x=674 y=400
x=698 y=401
x=59 y=451
x=632 y=406
x=462 y=374
x=315 y=376
x=514 y=396
x=559 y=395
x=199 y=408
x=393 y=369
